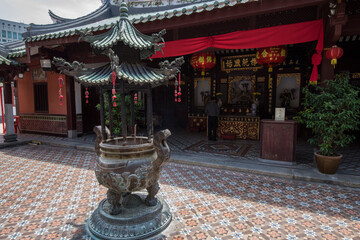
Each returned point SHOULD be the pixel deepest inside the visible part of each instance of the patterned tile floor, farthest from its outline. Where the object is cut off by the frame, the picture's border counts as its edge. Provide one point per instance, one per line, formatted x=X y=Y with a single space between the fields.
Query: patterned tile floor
x=48 y=192
x=180 y=142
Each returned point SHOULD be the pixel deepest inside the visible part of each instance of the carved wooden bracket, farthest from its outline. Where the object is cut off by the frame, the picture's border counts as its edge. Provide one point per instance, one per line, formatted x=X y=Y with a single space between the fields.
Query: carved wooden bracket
x=335 y=25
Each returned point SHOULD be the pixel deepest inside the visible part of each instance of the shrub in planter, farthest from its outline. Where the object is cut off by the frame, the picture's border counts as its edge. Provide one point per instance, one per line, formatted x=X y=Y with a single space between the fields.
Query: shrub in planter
x=333 y=114
x=116 y=113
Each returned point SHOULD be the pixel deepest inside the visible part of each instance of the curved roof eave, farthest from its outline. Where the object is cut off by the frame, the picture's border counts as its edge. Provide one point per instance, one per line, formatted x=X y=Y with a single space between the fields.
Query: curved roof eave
x=132 y=73
x=141 y=18
x=103 y=12
x=4 y=60
x=57 y=19
x=12 y=49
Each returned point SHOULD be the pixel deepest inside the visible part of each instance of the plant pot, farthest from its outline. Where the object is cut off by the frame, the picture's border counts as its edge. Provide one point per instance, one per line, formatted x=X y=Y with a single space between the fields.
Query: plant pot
x=327 y=164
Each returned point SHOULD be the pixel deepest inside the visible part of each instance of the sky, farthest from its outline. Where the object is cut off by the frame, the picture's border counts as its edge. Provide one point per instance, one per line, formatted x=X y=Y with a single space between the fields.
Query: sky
x=36 y=11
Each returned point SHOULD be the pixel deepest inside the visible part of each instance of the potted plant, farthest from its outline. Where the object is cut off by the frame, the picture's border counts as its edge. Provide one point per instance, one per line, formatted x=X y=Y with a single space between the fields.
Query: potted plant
x=333 y=113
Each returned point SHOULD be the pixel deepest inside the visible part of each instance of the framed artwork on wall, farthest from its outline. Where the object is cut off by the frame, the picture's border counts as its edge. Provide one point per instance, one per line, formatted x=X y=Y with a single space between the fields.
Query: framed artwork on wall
x=201 y=91
x=38 y=75
x=288 y=90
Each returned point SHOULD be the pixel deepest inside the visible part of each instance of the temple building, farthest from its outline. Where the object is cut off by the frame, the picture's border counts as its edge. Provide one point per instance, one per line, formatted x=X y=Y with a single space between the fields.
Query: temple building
x=229 y=48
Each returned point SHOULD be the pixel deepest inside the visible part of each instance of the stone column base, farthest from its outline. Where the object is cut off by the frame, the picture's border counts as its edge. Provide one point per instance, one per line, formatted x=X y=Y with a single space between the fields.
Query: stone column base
x=72 y=134
x=10 y=138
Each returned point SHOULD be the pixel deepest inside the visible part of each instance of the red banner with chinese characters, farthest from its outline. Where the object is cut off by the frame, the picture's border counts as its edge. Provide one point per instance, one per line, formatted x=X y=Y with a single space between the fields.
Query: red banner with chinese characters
x=263 y=37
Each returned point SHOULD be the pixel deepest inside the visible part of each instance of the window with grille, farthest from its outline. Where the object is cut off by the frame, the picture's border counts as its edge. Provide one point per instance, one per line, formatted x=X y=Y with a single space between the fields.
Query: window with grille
x=41 y=97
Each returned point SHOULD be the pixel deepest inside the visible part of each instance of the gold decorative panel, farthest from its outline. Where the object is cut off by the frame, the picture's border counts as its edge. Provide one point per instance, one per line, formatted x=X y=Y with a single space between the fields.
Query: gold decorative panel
x=243 y=127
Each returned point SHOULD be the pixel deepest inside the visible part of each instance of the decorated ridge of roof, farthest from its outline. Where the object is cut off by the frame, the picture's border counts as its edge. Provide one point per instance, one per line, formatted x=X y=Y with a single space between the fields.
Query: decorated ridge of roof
x=124 y=32
x=4 y=60
x=132 y=73
x=139 y=18
x=56 y=18
x=17 y=52
x=13 y=49
x=102 y=13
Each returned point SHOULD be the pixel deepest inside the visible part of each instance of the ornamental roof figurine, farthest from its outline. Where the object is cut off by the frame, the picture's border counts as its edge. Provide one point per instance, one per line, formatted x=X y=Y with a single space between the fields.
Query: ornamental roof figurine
x=126 y=47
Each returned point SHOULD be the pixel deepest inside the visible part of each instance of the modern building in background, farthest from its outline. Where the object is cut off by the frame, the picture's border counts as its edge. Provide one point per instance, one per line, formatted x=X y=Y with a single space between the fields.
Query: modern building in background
x=11 y=31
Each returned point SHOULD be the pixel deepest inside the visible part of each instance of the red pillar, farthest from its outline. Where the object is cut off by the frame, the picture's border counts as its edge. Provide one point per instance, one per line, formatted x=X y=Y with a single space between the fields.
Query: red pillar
x=71 y=109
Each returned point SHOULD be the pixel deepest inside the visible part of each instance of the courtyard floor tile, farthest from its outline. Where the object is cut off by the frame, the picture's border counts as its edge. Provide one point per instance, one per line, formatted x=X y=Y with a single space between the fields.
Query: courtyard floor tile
x=48 y=192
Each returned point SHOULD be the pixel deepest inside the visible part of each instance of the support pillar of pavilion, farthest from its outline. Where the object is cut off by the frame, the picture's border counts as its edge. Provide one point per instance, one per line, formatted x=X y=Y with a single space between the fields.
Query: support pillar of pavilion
x=10 y=135
x=70 y=105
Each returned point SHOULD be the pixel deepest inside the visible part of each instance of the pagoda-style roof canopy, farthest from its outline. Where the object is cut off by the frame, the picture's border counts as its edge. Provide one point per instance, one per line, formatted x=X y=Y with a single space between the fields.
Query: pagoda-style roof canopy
x=137 y=74
x=126 y=41
x=124 y=32
x=125 y=47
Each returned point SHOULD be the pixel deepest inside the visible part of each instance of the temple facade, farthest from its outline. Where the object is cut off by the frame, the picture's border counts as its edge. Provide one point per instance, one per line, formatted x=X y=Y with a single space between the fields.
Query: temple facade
x=235 y=32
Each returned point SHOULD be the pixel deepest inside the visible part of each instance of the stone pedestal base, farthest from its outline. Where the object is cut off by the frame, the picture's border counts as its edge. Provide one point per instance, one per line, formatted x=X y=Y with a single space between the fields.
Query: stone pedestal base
x=10 y=138
x=136 y=220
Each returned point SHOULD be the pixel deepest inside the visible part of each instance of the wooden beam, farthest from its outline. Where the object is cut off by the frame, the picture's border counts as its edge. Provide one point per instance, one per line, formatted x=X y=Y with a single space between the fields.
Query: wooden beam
x=352 y=27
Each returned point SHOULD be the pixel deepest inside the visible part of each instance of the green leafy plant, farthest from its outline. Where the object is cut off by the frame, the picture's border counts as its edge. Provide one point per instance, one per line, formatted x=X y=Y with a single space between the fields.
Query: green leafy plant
x=332 y=112
x=116 y=113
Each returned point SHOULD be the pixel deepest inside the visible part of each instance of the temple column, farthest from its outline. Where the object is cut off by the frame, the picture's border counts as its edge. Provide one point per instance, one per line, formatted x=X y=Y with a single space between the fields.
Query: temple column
x=71 y=109
x=132 y=116
x=111 y=124
x=123 y=116
x=149 y=113
x=332 y=32
x=326 y=69
x=102 y=112
x=10 y=135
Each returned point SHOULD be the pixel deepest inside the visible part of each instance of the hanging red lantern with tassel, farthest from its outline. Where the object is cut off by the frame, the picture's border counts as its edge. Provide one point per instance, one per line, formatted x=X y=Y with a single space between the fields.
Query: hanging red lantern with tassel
x=113 y=89
x=334 y=53
x=175 y=91
x=86 y=95
x=179 y=89
x=61 y=97
x=271 y=56
x=135 y=98
x=203 y=61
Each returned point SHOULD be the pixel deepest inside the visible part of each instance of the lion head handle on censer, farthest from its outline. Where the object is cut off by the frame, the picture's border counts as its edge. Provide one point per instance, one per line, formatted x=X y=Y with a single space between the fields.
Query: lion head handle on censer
x=100 y=138
x=162 y=148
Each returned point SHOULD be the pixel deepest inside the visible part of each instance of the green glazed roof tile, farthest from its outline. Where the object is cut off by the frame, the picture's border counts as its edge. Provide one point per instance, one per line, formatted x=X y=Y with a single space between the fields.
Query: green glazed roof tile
x=132 y=73
x=4 y=60
x=140 y=18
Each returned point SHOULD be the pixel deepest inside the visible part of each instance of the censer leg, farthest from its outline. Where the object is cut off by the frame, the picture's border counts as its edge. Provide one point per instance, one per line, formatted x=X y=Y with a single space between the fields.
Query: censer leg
x=114 y=199
x=152 y=191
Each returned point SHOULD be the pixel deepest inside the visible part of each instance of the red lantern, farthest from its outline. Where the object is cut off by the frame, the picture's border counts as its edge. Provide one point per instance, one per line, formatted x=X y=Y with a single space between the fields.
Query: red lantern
x=135 y=98
x=86 y=95
x=203 y=61
x=270 y=56
x=334 y=53
x=61 y=82
x=113 y=75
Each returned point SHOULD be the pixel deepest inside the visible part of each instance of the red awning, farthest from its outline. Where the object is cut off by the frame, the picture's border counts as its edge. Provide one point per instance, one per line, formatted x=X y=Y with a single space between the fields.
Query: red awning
x=263 y=37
